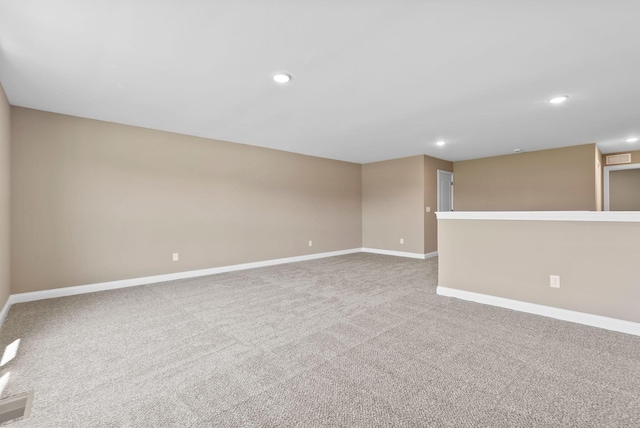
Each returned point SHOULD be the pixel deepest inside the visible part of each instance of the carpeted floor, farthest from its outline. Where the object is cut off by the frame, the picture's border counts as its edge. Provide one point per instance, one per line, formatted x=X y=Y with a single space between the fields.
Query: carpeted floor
x=359 y=340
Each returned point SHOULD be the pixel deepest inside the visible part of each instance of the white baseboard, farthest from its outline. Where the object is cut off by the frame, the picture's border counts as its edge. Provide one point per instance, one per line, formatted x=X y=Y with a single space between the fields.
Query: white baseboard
x=606 y=323
x=5 y=310
x=431 y=254
x=112 y=285
x=395 y=253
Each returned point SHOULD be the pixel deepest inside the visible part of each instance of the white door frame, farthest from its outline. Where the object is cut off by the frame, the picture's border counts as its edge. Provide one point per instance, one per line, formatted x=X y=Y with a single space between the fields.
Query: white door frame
x=606 y=170
x=441 y=171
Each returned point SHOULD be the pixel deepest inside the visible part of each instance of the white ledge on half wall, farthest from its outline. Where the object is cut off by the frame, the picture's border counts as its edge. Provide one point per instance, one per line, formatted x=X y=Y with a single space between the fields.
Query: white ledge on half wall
x=618 y=216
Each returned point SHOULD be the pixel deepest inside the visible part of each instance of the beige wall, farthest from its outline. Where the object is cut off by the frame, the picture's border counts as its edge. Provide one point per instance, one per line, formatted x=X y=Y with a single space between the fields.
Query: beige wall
x=95 y=201
x=393 y=205
x=5 y=137
x=431 y=167
x=546 y=180
x=596 y=262
x=624 y=190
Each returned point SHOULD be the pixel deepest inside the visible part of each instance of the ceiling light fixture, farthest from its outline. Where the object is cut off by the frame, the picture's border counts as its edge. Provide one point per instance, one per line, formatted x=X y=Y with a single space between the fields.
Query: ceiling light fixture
x=632 y=139
x=517 y=150
x=559 y=100
x=441 y=143
x=282 y=77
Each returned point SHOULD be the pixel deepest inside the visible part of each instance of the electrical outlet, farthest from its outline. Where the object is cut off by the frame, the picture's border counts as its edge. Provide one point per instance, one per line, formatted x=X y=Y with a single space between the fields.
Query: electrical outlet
x=554 y=281
x=402 y=240
x=175 y=257
x=428 y=209
x=311 y=243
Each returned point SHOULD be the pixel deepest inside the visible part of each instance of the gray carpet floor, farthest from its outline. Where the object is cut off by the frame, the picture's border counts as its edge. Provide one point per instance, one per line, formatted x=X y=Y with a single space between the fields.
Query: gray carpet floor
x=359 y=340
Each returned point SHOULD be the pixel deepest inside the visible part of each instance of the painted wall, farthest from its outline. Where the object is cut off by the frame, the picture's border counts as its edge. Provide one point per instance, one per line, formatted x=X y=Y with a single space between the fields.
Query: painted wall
x=596 y=262
x=5 y=138
x=624 y=190
x=546 y=180
x=393 y=205
x=95 y=201
x=431 y=167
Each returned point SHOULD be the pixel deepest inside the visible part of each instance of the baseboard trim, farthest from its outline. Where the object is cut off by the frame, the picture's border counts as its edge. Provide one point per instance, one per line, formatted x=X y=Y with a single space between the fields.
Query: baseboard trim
x=133 y=282
x=606 y=323
x=394 y=253
x=5 y=310
x=113 y=285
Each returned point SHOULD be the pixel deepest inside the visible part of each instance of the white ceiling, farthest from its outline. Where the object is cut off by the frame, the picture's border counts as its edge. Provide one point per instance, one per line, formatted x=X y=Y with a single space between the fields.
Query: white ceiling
x=372 y=79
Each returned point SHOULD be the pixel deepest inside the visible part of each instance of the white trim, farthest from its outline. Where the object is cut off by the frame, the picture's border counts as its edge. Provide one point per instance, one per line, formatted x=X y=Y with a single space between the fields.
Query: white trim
x=394 y=253
x=112 y=285
x=546 y=311
x=5 y=309
x=606 y=179
x=431 y=254
x=620 y=216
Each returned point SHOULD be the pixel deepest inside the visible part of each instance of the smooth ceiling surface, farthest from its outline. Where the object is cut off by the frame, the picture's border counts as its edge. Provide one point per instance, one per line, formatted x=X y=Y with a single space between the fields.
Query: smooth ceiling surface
x=372 y=80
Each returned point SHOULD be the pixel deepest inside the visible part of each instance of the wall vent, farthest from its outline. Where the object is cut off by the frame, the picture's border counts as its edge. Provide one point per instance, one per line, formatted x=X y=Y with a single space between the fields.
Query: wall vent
x=14 y=408
x=618 y=159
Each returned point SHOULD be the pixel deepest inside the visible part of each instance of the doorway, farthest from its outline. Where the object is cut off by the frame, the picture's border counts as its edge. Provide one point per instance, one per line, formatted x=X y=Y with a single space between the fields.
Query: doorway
x=625 y=201
x=445 y=190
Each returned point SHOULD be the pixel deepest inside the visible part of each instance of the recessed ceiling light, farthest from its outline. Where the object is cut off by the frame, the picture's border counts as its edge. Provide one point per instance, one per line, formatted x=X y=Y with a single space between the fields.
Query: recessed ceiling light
x=282 y=77
x=631 y=140
x=559 y=100
x=441 y=143
x=517 y=150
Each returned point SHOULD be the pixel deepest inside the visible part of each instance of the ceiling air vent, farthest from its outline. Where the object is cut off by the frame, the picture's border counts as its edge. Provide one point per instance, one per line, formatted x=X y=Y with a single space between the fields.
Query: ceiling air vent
x=617 y=159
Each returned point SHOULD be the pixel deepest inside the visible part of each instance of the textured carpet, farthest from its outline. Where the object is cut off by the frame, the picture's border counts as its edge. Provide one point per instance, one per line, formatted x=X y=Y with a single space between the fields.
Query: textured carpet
x=357 y=340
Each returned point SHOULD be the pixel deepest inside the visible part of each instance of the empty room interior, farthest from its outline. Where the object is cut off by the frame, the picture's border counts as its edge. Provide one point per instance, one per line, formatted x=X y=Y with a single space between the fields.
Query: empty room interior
x=305 y=213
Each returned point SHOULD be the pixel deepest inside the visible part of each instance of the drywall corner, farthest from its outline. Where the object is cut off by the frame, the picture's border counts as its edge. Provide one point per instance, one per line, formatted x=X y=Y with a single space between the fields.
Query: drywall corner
x=5 y=209
x=393 y=205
